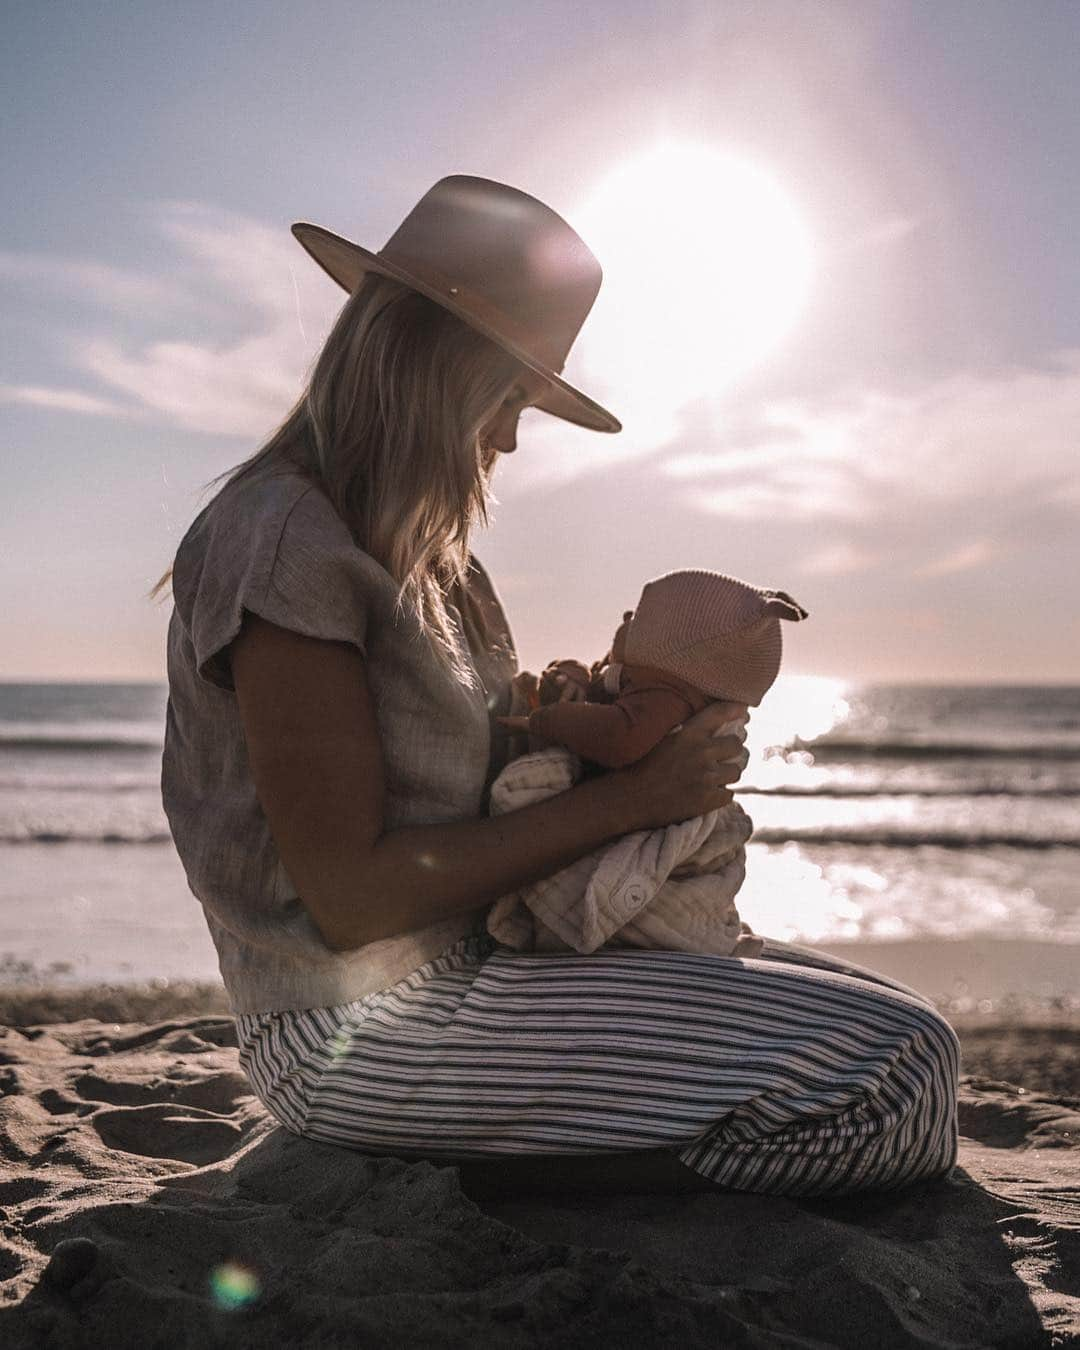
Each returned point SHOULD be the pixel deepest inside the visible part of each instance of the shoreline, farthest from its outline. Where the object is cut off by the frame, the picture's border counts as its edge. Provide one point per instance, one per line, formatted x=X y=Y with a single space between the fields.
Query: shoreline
x=1034 y=1046
x=974 y=981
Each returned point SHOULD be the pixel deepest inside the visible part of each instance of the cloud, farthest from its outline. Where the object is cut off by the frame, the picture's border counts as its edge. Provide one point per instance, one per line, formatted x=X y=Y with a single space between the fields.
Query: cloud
x=974 y=554
x=932 y=470
x=63 y=400
x=886 y=232
x=838 y=560
x=236 y=391
x=237 y=386
x=960 y=469
x=114 y=288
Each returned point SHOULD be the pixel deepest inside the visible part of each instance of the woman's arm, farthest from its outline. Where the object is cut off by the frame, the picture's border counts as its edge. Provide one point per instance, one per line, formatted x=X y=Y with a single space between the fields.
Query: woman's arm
x=316 y=759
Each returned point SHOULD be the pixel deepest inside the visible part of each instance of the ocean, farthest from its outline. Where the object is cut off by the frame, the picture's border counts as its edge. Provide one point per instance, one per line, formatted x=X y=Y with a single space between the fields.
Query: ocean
x=884 y=814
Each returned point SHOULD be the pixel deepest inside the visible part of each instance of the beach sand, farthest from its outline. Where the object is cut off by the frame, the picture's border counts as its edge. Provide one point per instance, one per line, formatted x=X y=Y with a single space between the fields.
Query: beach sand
x=147 y=1199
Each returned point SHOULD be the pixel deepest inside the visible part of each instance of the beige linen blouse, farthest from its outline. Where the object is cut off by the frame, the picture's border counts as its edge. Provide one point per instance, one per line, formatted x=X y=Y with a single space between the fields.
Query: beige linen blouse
x=275 y=546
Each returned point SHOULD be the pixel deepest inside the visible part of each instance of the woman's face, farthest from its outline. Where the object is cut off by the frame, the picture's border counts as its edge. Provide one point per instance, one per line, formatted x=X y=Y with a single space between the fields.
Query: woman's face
x=501 y=432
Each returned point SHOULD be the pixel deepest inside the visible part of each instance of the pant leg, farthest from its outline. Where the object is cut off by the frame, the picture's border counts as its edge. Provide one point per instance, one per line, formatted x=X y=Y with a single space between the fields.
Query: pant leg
x=766 y=1074
x=901 y=1126
x=774 y=950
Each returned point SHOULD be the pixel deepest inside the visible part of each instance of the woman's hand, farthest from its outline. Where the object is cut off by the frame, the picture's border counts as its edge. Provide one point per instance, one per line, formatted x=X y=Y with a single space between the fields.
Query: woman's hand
x=564 y=682
x=524 y=692
x=687 y=774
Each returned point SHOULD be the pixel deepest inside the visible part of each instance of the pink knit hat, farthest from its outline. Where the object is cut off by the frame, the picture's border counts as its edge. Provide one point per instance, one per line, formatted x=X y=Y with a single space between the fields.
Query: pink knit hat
x=717 y=633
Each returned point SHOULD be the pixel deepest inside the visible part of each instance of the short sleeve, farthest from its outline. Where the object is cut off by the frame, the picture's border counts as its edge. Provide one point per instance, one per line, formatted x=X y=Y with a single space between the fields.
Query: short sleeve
x=278 y=549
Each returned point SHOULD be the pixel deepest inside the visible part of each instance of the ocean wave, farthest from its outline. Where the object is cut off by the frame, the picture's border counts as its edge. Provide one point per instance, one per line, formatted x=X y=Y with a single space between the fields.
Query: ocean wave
x=839 y=747
x=79 y=744
x=880 y=838
x=890 y=838
x=854 y=792
x=76 y=836
x=90 y=787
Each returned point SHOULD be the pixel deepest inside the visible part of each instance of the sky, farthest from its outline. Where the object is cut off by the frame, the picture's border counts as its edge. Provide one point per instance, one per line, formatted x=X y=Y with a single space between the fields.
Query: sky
x=840 y=319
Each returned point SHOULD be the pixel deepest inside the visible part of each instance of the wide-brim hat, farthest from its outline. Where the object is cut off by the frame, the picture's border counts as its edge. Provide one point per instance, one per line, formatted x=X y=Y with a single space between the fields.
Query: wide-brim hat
x=498 y=259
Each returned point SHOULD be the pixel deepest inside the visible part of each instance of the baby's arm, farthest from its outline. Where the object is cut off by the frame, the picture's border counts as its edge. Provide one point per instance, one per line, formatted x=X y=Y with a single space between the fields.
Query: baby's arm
x=612 y=734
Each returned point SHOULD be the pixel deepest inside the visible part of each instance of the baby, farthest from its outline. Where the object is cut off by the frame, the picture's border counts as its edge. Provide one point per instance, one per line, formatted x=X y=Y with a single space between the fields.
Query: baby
x=696 y=636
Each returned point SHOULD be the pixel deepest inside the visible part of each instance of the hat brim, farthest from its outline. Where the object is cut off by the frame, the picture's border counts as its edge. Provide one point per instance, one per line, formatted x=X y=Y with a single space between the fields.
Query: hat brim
x=346 y=263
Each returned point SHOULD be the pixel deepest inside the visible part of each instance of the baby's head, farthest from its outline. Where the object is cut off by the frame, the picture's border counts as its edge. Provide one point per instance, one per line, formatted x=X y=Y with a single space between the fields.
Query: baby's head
x=718 y=634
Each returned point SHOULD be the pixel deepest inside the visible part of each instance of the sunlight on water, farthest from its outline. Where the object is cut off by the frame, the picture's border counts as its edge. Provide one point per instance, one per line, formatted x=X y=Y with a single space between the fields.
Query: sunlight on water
x=881 y=812
x=789 y=897
x=797 y=707
x=837 y=894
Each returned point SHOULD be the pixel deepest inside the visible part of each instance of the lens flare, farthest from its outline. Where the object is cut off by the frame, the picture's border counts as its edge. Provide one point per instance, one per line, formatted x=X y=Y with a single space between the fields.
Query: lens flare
x=338 y=1043
x=233 y=1286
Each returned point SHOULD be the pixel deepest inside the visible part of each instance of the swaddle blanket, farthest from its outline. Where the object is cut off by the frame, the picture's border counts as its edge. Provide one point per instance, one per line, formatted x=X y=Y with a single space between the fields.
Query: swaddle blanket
x=672 y=888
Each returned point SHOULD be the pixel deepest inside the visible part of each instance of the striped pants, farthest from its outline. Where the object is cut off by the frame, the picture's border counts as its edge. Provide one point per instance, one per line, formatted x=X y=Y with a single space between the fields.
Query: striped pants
x=791 y=1073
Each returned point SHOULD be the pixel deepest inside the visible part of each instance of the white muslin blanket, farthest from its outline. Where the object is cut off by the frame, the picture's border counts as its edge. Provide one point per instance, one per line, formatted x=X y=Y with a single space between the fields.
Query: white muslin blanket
x=672 y=888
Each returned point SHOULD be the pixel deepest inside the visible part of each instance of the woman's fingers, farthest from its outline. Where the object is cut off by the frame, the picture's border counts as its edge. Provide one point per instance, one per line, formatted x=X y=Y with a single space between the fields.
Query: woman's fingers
x=727 y=772
x=711 y=718
x=572 y=680
x=728 y=747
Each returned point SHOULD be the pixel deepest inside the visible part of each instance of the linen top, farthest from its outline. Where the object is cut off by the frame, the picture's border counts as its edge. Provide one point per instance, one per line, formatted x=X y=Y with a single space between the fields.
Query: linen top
x=276 y=547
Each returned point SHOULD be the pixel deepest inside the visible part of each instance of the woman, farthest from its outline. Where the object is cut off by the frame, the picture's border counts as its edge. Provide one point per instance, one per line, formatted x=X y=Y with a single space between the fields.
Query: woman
x=337 y=658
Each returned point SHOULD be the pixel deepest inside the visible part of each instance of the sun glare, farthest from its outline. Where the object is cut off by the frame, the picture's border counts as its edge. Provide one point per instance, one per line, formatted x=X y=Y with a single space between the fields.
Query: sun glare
x=707 y=265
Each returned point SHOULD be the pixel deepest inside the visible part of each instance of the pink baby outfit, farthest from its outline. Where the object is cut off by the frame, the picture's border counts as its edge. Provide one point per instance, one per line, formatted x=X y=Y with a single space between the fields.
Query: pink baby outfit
x=648 y=704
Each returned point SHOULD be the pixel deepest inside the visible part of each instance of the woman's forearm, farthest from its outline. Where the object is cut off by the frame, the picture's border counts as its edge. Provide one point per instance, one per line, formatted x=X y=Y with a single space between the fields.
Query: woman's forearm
x=420 y=874
x=316 y=760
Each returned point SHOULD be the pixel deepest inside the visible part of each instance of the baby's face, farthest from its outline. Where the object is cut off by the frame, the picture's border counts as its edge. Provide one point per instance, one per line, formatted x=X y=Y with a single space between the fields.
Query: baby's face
x=618 y=642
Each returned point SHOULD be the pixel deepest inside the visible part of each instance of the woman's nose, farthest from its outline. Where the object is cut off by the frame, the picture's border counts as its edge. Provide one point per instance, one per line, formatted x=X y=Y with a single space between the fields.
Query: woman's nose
x=505 y=437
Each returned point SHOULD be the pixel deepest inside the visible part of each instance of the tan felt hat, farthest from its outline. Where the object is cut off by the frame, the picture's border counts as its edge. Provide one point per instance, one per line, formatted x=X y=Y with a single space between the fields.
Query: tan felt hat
x=718 y=633
x=499 y=260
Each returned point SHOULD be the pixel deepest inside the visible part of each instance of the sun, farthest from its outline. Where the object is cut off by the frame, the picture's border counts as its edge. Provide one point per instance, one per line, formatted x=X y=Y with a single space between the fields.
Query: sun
x=707 y=266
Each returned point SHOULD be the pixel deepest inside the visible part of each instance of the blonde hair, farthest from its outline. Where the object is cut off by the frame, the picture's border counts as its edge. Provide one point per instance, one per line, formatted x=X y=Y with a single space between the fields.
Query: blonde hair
x=389 y=427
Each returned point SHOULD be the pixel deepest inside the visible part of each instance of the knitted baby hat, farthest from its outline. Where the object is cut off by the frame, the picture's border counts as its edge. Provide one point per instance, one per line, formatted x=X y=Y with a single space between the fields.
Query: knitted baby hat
x=717 y=633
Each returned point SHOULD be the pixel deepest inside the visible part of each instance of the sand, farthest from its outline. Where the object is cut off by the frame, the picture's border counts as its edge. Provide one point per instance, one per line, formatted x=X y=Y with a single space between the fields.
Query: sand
x=146 y=1199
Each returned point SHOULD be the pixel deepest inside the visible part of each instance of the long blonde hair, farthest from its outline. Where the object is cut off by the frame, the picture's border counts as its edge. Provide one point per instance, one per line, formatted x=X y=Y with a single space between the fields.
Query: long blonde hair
x=389 y=427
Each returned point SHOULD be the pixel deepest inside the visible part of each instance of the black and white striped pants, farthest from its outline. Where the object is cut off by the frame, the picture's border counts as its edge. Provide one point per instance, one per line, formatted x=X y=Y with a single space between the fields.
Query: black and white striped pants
x=790 y=1073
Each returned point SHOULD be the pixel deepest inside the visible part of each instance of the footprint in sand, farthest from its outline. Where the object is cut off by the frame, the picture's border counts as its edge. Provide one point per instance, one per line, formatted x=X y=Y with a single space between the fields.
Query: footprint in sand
x=195 y=1036
x=222 y=1091
x=20 y=1189
x=166 y=1131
